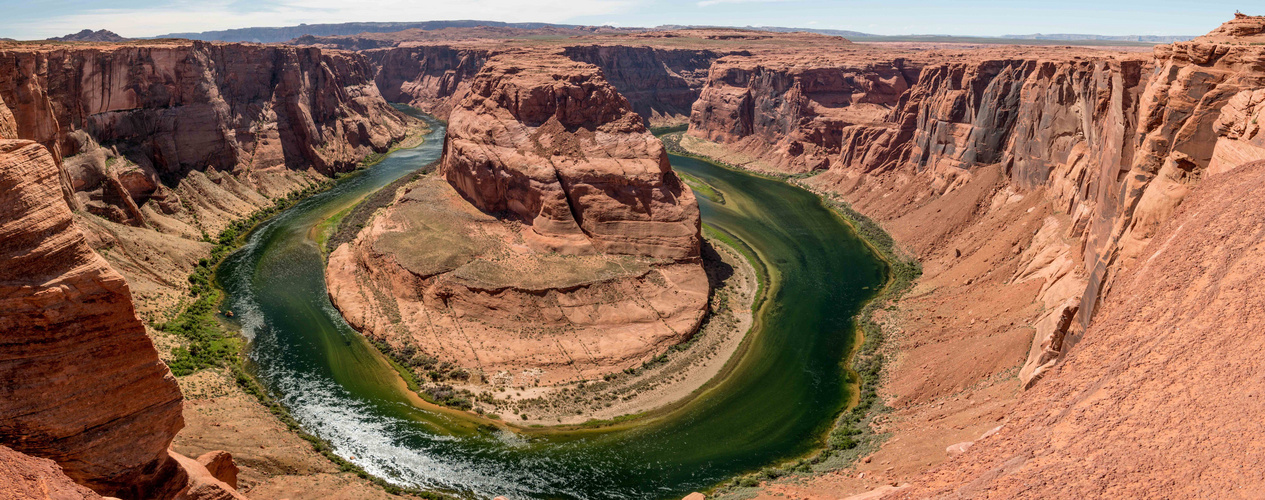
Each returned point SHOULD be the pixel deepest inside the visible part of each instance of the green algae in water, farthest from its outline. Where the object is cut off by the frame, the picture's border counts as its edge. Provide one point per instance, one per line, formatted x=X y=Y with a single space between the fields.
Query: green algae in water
x=777 y=403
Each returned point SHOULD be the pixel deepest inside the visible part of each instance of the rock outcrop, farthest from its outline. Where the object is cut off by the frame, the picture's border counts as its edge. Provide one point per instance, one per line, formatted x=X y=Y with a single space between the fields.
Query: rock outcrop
x=562 y=246
x=26 y=477
x=550 y=141
x=83 y=384
x=148 y=114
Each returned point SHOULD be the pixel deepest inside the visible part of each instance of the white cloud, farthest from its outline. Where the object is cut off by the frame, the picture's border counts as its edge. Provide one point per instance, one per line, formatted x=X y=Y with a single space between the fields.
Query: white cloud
x=194 y=16
x=709 y=3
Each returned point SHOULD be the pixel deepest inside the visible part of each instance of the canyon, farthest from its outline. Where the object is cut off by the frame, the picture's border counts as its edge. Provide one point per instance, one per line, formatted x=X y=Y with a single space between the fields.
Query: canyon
x=1084 y=219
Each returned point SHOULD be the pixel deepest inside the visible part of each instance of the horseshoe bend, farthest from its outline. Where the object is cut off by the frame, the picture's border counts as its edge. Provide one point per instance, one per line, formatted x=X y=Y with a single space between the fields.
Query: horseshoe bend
x=477 y=259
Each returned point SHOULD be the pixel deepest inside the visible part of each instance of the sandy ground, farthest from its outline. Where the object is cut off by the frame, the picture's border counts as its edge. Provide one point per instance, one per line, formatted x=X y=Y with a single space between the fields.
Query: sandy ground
x=275 y=463
x=684 y=371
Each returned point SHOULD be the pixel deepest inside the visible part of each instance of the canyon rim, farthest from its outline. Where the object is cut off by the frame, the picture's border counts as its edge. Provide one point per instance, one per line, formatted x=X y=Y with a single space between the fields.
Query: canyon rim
x=1069 y=234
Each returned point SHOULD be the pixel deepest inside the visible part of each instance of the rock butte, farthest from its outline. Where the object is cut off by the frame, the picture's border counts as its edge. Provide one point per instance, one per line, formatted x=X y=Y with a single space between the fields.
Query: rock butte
x=1084 y=217
x=590 y=265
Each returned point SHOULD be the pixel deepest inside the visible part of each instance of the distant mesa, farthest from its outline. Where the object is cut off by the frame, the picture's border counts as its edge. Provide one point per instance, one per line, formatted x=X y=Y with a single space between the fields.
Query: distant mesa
x=90 y=36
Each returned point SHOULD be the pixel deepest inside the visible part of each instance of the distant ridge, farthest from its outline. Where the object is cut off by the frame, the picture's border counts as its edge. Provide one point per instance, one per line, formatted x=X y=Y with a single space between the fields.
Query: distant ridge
x=1034 y=39
x=90 y=36
x=775 y=29
x=1111 y=38
x=286 y=33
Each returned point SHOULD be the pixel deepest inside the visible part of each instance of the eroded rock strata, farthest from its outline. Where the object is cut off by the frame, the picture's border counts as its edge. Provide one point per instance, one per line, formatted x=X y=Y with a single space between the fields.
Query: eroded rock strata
x=162 y=145
x=154 y=147
x=84 y=385
x=1032 y=185
x=1127 y=396
x=560 y=245
x=1112 y=142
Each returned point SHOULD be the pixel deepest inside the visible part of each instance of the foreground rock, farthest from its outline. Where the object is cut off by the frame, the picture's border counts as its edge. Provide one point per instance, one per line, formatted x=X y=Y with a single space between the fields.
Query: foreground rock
x=562 y=246
x=24 y=476
x=84 y=384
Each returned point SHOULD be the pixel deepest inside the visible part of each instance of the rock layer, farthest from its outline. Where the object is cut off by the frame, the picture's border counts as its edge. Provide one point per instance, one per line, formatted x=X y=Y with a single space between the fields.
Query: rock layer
x=551 y=142
x=160 y=111
x=1113 y=141
x=84 y=385
x=1162 y=368
x=24 y=476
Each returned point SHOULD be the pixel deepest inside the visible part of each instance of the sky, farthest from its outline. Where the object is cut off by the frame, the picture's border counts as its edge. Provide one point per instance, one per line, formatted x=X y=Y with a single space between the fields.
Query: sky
x=38 y=19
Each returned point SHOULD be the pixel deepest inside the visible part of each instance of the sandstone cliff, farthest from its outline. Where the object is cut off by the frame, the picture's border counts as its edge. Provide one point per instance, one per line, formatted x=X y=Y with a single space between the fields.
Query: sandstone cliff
x=1111 y=141
x=1036 y=185
x=562 y=247
x=550 y=141
x=1153 y=401
x=133 y=120
x=801 y=111
x=83 y=384
x=428 y=77
x=661 y=84
x=163 y=144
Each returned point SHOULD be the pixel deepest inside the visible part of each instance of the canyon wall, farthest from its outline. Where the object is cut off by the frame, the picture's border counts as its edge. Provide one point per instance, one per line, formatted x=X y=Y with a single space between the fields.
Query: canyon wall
x=427 y=77
x=131 y=121
x=560 y=244
x=802 y=112
x=661 y=84
x=1112 y=141
x=1169 y=363
x=162 y=145
x=83 y=384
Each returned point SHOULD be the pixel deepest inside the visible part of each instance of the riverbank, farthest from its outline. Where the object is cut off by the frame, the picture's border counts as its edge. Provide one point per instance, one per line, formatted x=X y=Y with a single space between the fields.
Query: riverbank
x=926 y=411
x=853 y=434
x=226 y=408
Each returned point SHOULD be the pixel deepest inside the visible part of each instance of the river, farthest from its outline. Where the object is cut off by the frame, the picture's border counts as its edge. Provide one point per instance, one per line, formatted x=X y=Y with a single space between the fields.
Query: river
x=776 y=404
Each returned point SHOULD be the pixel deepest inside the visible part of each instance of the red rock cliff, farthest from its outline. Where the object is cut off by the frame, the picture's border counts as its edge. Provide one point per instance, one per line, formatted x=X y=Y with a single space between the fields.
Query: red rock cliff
x=169 y=109
x=550 y=141
x=661 y=84
x=83 y=384
x=1113 y=141
x=429 y=77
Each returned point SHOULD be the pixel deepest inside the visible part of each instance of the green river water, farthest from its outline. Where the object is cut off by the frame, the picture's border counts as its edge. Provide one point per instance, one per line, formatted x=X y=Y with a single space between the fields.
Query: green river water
x=776 y=404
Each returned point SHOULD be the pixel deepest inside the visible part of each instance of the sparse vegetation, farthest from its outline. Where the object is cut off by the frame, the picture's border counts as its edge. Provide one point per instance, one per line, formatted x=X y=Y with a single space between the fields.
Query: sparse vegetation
x=209 y=342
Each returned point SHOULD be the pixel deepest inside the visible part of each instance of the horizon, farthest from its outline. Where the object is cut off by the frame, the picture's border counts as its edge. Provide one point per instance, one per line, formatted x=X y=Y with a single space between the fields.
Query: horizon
x=972 y=18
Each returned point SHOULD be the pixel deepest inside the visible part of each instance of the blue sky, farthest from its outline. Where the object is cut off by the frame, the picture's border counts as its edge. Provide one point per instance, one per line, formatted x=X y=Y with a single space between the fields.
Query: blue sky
x=37 y=19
